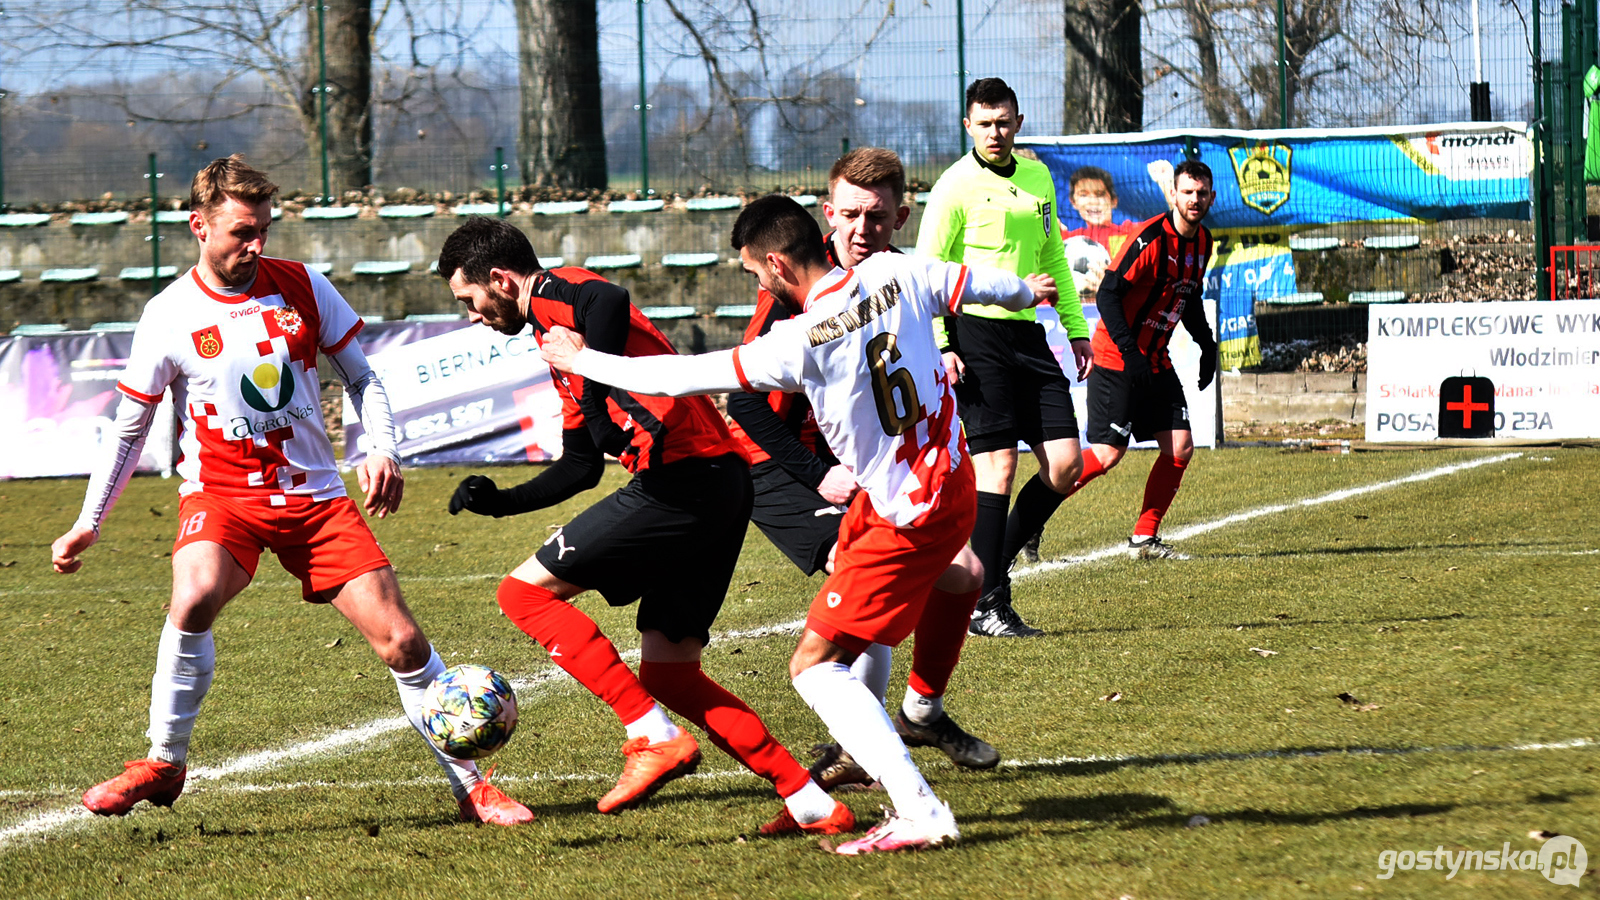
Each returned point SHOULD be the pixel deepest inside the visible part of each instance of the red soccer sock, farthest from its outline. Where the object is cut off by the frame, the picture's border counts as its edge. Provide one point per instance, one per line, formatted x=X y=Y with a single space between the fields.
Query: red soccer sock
x=940 y=634
x=686 y=690
x=576 y=645
x=1159 y=490
x=1092 y=469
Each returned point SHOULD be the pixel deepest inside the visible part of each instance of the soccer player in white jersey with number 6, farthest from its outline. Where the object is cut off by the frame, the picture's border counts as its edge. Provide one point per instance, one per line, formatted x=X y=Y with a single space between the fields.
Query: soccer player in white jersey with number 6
x=237 y=338
x=862 y=351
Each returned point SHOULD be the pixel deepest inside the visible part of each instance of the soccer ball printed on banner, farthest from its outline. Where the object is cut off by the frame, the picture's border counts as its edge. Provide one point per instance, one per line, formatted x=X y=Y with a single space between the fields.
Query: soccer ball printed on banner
x=469 y=711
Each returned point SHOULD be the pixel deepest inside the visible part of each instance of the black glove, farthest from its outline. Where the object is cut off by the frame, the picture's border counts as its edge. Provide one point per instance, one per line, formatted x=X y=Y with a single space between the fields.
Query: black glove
x=1137 y=367
x=479 y=494
x=1208 y=364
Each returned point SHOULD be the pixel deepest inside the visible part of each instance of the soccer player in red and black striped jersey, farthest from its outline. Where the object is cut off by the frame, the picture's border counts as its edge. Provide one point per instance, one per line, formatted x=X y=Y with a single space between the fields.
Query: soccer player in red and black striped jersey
x=669 y=539
x=1153 y=284
x=802 y=491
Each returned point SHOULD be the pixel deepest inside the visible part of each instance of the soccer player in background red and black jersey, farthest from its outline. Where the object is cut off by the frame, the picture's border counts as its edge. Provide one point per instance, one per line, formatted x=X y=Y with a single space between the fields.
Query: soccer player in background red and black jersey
x=669 y=539
x=801 y=490
x=1154 y=283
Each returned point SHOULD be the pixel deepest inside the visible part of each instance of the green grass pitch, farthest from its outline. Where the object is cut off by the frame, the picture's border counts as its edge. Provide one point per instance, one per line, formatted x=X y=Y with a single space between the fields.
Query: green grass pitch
x=1457 y=613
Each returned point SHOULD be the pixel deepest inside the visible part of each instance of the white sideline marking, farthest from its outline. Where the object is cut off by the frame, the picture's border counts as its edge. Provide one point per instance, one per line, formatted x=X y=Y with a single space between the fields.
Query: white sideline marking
x=356 y=737
x=1067 y=562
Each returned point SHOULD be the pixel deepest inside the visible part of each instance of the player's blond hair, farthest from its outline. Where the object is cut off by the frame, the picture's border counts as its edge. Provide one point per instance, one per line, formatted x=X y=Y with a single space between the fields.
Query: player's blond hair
x=229 y=176
x=870 y=167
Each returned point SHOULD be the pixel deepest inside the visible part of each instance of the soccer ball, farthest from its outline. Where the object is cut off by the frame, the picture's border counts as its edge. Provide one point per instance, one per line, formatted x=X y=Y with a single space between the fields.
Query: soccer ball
x=1085 y=255
x=469 y=711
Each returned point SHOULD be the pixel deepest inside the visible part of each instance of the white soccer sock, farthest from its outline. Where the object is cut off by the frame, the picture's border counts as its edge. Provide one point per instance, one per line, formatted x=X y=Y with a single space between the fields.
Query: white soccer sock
x=809 y=804
x=919 y=709
x=859 y=723
x=185 y=664
x=653 y=726
x=871 y=668
x=461 y=773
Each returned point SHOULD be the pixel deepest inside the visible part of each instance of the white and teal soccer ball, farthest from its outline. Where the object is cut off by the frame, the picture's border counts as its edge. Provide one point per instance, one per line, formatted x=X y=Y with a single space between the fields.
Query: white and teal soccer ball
x=469 y=711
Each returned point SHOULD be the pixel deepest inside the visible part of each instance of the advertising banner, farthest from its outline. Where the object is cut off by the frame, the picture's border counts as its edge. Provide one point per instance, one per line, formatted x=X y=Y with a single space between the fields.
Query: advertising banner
x=1541 y=360
x=58 y=399
x=1185 y=359
x=1272 y=183
x=460 y=394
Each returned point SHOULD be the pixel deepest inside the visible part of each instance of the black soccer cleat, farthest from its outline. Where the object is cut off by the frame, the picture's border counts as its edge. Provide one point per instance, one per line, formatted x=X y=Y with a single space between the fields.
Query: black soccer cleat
x=994 y=616
x=1153 y=548
x=964 y=750
x=835 y=768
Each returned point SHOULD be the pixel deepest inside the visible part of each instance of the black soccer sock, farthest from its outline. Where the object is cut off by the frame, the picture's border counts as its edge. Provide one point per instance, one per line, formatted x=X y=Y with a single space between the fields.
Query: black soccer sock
x=1036 y=503
x=988 y=536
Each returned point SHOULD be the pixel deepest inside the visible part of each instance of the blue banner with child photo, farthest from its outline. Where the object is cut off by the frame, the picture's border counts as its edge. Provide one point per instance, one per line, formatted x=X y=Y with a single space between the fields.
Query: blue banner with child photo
x=1272 y=184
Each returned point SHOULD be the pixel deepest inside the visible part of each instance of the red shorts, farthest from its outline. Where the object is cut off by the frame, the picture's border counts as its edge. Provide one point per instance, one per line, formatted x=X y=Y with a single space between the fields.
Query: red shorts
x=324 y=543
x=882 y=575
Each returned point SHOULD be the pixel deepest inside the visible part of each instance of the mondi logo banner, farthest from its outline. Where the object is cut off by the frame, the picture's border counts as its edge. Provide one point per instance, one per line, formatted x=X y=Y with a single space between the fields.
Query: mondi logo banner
x=1562 y=860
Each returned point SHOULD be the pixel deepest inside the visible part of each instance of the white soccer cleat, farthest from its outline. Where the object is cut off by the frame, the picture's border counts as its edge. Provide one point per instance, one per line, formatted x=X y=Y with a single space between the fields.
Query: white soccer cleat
x=895 y=833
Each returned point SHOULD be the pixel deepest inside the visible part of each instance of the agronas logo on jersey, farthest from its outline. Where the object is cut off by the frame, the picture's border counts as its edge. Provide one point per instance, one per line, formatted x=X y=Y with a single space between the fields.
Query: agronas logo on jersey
x=1263 y=174
x=265 y=377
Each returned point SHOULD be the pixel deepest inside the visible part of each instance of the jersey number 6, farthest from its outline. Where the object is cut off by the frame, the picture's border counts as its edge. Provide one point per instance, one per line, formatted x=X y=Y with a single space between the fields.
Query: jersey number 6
x=881 y=351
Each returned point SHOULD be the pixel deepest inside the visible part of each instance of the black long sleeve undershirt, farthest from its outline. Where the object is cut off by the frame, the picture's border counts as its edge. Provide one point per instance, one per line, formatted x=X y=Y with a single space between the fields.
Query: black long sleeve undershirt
x=601 y=314
x=579 y=469
x=769 y=432
x=1108 y=299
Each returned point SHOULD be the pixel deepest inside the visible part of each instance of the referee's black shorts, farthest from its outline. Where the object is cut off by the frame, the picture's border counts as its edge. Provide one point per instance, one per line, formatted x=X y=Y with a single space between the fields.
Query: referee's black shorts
x=1118 y=409
x=794 y=517
x=1013 y=388
x=668 y=539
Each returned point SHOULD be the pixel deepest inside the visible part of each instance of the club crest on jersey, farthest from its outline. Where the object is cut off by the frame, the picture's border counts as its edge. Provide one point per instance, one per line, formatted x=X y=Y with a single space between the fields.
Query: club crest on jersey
x=208 y=342
x=288 y=320
x=265 y=377
x=1262 y=171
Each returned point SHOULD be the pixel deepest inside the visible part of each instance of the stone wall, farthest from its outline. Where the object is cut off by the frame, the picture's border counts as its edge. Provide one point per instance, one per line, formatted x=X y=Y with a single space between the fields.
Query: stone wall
x=1294 y=397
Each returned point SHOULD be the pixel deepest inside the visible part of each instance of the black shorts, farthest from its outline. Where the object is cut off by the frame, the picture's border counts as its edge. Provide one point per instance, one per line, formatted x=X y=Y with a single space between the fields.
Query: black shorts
x=794 y=517
x=1117 y=409
x=668 y=539
x=1013 y=388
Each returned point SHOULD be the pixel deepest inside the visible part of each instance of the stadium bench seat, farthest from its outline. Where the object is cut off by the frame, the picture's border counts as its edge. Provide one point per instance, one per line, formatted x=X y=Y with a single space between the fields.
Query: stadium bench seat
x=407 y=211
x=32 y=330
x=172 y=216
x=700 y=204
x=560 y=207
x=922 y=197
x=7 y=276
x=615 y=261
x=142 y=273
x=24 y=220
x=85 y=273
x=552 y=262
x=735 y=311
x=370 y=318
x=806 y=200
x=1377 y=296
x=1392 y=242
x=99 y=218
x=330 y=212
x=1302 y=298
x=104 y=327
x=477 y=209
x=434 y=317
x=381 y=267
x=321 y=268
x=635 y=206
x=1313 y=244
x=689 y=260
x=669 y=312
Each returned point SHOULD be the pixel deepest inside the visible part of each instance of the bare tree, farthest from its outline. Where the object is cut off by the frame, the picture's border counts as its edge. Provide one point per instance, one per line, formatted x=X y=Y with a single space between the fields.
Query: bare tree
x=1104 y=88
x=343 y=29
x=562 y=139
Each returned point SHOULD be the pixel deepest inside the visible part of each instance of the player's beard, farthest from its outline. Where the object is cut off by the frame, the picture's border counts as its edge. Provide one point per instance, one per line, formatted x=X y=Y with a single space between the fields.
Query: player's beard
x=508 y=317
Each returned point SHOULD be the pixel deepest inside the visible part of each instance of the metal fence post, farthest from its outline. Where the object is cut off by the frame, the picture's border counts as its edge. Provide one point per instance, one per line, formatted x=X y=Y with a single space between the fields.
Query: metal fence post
x=500 y=178
x=644 y=109
x=322 y=99
x=155 y=229
x=961 y=72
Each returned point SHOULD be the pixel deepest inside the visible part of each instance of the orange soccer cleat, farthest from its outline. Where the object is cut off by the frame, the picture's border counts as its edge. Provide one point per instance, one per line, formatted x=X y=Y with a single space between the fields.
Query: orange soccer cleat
x=487 y=803
x=142 y=779
x=649 y=766
x=840 y=821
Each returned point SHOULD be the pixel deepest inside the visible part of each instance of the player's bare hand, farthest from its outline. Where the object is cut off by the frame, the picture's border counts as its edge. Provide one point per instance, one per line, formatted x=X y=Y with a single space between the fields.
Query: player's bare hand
x=560 y=347
x=1083 y=355
x=838 y=486
x=1044 y=288
x=382 y=482
x=954 y=368
x=65 y=551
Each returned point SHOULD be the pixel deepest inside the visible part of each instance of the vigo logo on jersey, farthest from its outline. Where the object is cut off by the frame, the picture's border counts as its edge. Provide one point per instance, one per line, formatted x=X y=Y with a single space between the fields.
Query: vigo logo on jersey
x=208 y=342
x=265 y=377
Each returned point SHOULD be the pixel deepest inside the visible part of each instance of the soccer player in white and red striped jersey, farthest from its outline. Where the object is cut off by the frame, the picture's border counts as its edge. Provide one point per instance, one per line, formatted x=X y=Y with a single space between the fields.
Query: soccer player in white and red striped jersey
x=862 y=351
x=237 y=339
